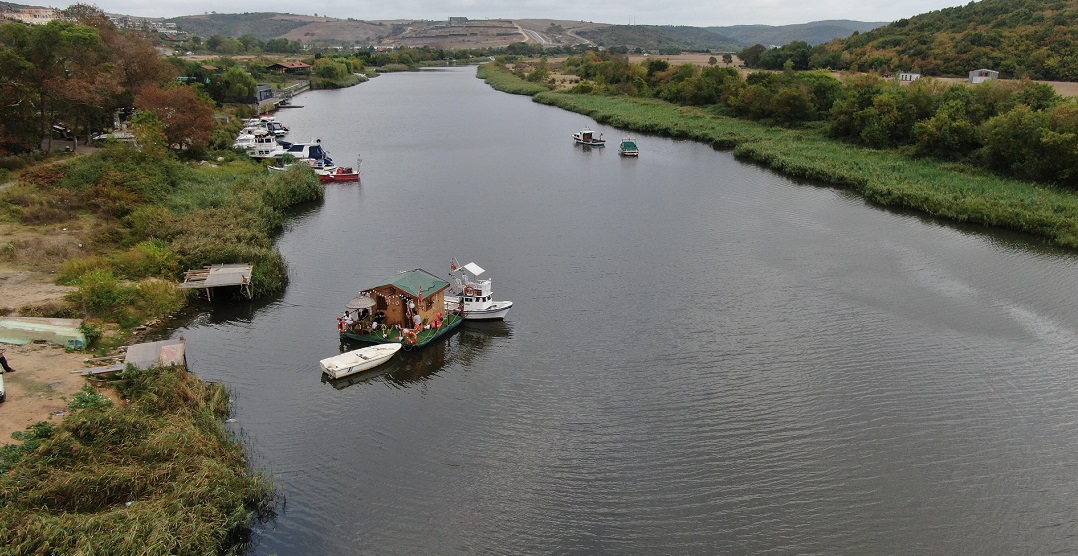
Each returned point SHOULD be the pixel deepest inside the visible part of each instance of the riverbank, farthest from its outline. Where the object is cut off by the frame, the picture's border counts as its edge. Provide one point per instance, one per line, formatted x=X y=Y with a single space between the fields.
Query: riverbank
x=955 y=192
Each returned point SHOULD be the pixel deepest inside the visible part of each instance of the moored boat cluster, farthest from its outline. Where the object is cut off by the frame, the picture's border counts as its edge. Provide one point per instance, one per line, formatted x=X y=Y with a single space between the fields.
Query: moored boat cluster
x=261 y=138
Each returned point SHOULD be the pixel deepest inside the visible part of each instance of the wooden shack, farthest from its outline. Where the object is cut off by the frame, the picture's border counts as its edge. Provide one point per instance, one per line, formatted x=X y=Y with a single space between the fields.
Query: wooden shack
x=416 y=292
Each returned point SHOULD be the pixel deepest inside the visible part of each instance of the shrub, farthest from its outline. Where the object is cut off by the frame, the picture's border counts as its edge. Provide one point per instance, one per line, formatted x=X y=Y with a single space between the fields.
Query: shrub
x=102 y=294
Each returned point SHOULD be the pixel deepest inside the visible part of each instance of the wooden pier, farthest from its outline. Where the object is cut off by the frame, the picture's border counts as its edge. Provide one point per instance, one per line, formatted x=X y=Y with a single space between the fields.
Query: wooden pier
x=216 y=276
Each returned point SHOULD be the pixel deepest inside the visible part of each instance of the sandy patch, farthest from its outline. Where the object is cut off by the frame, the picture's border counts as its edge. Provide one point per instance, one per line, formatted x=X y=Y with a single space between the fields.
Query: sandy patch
x=46 y=379
x=23 y=288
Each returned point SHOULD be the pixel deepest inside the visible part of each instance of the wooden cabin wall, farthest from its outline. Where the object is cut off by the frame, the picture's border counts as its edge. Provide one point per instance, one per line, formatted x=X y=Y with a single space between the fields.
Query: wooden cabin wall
x=396 y=308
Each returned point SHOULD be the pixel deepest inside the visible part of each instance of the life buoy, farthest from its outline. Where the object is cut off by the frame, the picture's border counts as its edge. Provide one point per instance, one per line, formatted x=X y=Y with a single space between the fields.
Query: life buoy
x=411 y=336
x=468 y=290
x=340 y=326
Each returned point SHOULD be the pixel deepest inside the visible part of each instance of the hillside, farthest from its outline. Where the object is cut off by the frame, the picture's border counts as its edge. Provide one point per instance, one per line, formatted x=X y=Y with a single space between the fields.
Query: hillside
x=495 y=33
x=659 y=37
x=816 y=32
x=1019 y=38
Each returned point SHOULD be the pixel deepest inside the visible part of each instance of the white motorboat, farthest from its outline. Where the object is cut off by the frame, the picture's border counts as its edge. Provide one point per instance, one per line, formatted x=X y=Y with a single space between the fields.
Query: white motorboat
x=588 y=138
x=472 y=296
x=352 y=362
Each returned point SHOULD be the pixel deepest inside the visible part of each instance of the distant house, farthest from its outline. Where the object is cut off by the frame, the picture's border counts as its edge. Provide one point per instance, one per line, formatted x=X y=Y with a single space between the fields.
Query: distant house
x=290 y=68
x=909 y=76
x=982 y=75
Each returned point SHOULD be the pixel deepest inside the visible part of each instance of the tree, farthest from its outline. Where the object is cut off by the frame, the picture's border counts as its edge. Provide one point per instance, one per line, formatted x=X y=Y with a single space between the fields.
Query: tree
x=186 y=116
x=235 y=85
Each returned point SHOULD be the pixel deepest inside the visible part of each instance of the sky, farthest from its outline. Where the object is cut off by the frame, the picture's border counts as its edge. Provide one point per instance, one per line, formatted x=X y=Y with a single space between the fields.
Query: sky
x=696 y=13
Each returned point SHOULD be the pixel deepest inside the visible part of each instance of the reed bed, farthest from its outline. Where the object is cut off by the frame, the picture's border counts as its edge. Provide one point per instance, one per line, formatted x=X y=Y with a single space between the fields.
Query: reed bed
x=158 y=475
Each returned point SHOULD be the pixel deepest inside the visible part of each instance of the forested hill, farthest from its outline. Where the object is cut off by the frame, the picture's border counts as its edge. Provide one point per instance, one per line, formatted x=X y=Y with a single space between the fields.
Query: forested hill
x=816 y=32
x=1019 y=38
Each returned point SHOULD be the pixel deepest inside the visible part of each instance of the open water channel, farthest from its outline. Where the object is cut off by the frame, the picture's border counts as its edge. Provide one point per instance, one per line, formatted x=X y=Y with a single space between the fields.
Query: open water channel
x=703 y=356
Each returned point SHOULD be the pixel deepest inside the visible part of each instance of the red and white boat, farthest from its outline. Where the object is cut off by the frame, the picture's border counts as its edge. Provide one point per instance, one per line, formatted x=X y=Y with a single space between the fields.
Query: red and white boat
x=337 y=174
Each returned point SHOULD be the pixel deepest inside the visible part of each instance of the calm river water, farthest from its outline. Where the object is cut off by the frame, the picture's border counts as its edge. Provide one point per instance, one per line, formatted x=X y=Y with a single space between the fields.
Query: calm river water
x=703 y=356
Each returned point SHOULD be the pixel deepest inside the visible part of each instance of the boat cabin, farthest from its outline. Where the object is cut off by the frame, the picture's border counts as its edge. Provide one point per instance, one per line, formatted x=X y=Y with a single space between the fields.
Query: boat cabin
x=411 y=300
x=313 y=151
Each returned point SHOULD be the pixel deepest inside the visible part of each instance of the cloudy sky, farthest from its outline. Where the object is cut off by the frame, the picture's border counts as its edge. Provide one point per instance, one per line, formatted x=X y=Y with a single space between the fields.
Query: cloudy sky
x=697 y=13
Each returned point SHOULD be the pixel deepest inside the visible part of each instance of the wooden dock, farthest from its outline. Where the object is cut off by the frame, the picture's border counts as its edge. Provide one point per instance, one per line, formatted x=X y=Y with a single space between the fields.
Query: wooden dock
x=216 y=276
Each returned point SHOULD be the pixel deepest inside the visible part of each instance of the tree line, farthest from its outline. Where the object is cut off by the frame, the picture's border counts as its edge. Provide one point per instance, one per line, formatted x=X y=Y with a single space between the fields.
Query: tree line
x=77 y=73
x=1020 y=129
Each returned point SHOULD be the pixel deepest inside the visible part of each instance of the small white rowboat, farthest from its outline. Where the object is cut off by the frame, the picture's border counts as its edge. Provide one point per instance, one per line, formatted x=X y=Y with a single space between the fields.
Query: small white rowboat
x=352 y=362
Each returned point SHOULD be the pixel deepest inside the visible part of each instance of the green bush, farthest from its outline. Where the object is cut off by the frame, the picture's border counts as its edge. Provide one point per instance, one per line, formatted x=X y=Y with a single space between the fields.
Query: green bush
x=102 y=294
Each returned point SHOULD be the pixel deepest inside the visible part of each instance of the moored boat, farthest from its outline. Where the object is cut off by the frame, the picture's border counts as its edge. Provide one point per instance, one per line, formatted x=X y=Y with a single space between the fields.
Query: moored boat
x=473 y=297
x=339 y=174
x=408 y=310
x=358 y=360
x=587 y=137
x=628 y=147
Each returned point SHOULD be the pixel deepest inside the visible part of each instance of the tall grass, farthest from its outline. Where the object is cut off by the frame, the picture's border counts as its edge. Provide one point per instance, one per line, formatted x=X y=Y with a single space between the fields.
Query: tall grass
x=160 y=475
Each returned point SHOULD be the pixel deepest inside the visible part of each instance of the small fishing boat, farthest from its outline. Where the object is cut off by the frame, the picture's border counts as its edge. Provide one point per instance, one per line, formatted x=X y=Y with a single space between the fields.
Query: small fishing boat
x=408 y=310
x=628 y=147
x=473 y=297
x=339 y=173
x=357 y=360
x=587 y=137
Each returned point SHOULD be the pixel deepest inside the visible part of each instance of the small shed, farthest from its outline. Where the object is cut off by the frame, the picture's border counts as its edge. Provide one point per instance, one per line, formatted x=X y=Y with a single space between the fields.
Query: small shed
x=265 y=92
x=982 y=75
x=906 y=76
x=416 y=292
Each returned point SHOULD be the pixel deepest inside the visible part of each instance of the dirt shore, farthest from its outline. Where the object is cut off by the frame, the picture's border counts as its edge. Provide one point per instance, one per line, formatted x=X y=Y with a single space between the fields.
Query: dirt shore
x=46 y=376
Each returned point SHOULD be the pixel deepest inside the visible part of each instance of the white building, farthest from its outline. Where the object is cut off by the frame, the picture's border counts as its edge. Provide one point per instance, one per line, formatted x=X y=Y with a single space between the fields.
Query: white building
x=982 y=75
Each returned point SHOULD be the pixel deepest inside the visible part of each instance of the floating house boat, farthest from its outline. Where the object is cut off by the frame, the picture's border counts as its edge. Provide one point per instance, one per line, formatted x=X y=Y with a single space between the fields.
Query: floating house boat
x=588 y=137
x=409 y=309
x=474 y=297
x=628 y=147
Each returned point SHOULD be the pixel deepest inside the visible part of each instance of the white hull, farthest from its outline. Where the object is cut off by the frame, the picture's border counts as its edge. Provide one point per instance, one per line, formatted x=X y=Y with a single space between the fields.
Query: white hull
x=496 y=310
x=359 y=360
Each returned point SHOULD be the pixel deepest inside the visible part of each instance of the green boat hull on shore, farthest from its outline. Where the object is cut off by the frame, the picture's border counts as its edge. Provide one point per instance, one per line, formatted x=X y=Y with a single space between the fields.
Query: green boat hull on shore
x=393 y=336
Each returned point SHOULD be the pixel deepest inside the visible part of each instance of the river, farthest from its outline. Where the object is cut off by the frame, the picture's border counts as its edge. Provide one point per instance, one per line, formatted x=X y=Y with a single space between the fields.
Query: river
x=703 y=356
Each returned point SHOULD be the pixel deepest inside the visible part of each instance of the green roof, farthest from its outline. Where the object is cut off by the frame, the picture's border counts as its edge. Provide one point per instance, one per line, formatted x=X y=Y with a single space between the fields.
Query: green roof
x=413 y=280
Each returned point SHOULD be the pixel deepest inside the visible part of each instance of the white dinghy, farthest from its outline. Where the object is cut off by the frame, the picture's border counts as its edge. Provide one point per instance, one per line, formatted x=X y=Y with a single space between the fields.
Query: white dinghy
x=352 y=362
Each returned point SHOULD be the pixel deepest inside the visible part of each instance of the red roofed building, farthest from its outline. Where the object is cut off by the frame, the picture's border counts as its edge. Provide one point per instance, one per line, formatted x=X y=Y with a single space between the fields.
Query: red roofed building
x=290 y=67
